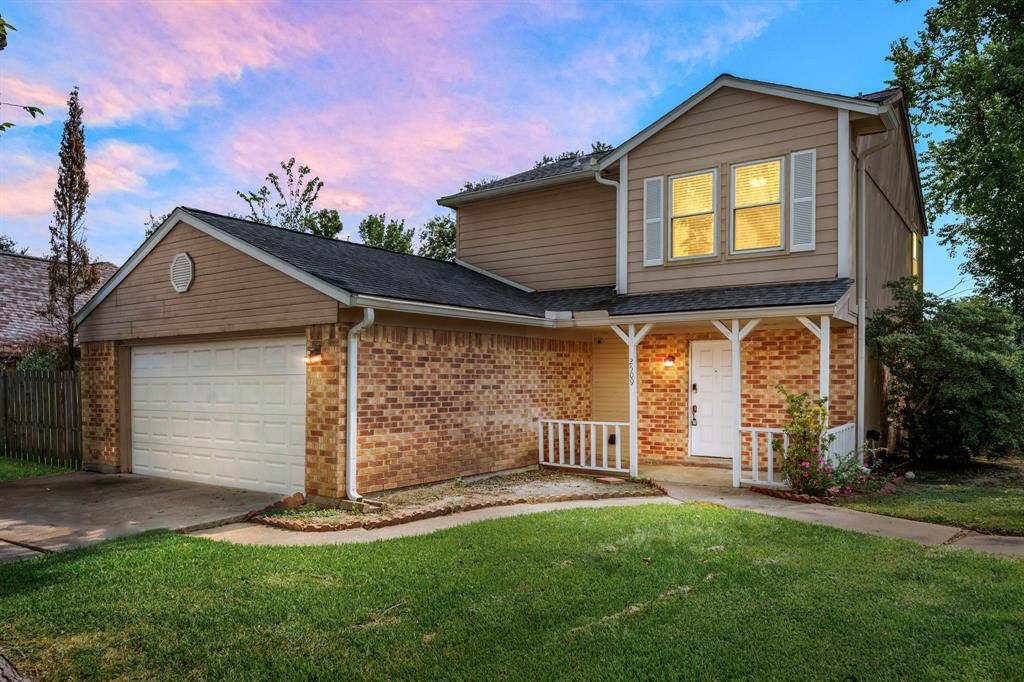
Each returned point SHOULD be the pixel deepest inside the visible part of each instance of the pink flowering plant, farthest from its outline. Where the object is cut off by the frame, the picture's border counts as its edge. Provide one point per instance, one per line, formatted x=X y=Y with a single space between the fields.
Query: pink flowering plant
x=806 y=463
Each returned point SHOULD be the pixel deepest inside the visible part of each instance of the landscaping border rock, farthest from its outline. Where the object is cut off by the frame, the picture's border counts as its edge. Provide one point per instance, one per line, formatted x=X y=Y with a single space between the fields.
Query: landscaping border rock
x=887 y=489
x=370 y=521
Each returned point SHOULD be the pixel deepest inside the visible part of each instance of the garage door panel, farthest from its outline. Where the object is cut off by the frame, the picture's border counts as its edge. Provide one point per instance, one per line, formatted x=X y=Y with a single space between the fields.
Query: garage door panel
x=230 y=413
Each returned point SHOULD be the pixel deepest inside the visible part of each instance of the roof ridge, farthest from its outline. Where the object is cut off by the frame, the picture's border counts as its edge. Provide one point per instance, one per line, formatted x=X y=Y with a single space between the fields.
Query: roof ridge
x=316 y=236
x=24 y=255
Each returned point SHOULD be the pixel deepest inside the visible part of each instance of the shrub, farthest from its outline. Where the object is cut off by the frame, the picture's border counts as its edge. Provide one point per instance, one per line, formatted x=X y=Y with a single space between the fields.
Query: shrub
x=805 y=462
x=956 y=373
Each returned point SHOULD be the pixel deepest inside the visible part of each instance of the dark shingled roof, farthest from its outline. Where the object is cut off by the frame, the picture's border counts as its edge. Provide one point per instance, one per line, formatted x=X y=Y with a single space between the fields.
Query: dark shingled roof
x=371 y=271
x=25 y=283
x=362 y=269
x=575 y=164
x=880 y=96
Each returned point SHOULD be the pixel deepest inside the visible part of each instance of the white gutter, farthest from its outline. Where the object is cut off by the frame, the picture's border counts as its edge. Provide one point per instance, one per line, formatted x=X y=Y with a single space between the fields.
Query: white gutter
x=621 y=237
x=862 y=296
x=352 y=404
x=702 y=315
x=401 y=305
x=456 y=200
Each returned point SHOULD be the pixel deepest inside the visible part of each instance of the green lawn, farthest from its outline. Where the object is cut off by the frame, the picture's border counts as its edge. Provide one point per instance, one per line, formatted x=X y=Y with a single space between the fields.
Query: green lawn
x=987 y=497
x=13 y=469
x=658 y=591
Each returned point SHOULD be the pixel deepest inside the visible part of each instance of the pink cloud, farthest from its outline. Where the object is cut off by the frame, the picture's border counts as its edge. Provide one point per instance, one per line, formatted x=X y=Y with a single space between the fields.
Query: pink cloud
x=167 y=56
x=115 y=166
x=19 y=91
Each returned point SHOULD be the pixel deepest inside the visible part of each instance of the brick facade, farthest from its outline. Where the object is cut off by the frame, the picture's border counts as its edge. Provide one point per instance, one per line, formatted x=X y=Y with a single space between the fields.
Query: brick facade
x=436 y=404
x=325 y=413
x=100 y=406
x=769 y=357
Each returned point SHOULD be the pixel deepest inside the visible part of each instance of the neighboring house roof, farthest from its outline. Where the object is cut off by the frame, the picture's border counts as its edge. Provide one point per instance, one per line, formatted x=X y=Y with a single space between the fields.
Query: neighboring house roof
x=366 y=271
x=564 y=171
x=25 y=283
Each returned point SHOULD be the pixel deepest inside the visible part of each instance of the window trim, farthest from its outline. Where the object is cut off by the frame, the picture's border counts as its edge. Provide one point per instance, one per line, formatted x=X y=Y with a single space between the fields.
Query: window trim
x=672 y=216
x=782 y=206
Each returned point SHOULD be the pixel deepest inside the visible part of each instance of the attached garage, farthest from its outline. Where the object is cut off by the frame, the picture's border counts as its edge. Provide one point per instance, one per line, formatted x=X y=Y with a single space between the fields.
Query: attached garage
x=229 y=413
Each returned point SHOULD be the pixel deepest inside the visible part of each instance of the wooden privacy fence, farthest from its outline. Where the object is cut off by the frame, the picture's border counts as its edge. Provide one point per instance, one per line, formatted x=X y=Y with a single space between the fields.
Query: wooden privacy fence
x=41 y=417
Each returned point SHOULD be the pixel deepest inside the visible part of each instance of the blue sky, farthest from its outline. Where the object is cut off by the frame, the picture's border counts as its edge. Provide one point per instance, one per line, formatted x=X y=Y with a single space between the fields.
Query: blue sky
x=392 y=104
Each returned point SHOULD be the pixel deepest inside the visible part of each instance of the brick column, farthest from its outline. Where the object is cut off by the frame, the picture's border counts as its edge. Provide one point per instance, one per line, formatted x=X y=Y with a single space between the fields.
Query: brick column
x=325 y=414
x=100 y=407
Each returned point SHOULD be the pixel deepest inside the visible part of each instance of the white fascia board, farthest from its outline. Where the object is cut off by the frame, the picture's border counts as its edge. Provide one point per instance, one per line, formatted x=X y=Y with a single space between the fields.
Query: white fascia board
x=180 y=215
x=400 y=305
x=708 y=315
x=456 y=200
x=823 y=99
x=488 y=273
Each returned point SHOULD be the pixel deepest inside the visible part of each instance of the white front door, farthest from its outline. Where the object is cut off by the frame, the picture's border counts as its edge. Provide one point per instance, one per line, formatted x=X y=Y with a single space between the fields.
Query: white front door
x=229 y=413
x=711 y=400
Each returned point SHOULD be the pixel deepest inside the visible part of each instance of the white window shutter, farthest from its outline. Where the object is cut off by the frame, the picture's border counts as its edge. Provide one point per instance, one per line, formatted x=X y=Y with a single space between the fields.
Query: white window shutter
x=654 y=209
x=801 y=189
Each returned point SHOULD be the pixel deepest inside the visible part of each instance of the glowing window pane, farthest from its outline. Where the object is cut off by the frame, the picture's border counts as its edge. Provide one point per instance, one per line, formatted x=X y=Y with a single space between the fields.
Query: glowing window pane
x=693 y=236
x=693 y=194
x=758 y=183
x=757 y=228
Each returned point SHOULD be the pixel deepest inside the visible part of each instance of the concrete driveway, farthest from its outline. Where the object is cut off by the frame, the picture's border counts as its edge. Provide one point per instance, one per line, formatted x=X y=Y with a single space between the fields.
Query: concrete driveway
x=52 y=513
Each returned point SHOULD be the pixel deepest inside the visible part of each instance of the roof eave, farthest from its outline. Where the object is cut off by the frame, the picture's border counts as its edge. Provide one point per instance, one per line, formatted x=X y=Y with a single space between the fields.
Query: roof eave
x=725 y=80
x=462 y=198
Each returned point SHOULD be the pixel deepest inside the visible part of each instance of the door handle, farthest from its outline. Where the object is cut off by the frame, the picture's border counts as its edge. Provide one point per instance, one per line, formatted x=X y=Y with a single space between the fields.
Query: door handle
x=693 y=420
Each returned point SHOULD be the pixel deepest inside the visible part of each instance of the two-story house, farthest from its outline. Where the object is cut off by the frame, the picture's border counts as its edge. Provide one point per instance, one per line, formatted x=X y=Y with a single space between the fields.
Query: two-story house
x=608 y=312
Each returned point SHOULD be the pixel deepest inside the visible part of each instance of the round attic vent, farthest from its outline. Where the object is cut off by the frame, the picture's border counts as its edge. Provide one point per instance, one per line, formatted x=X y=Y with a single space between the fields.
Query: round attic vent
x=181 y=272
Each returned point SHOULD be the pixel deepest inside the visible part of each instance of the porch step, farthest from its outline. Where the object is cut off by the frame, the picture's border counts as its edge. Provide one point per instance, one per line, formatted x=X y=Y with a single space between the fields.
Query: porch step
x=707 y=462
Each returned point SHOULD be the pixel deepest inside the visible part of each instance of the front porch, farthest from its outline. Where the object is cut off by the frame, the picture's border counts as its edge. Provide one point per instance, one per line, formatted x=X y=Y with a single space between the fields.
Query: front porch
x=665 y=402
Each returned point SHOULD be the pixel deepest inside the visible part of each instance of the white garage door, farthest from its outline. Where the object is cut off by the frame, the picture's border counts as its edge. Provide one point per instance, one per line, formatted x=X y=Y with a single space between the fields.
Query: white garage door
x=230 y=413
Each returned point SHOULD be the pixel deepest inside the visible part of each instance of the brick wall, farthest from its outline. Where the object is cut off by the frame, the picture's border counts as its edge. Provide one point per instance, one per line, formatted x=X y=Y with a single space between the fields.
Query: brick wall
x=436 y=404
x=325 y=413
x=100 y=419
x=770 y=357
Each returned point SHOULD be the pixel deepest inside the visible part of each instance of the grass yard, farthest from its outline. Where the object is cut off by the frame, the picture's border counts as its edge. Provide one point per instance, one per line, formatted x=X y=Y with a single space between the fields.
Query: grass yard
x=656 y=591
x=13 y=469
x=987 y=497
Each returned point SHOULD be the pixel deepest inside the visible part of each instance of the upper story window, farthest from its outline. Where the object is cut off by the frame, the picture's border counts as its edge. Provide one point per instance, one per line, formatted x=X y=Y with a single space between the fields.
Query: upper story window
x=757 y=206
x=693 y=210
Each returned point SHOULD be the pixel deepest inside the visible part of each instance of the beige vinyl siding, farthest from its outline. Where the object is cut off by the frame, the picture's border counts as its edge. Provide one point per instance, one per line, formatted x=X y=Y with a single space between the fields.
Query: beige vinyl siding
x=610 y=388
x=230 y=292
x=610 y=396
x=734 y=126
x=892 y=216
x=551 y=238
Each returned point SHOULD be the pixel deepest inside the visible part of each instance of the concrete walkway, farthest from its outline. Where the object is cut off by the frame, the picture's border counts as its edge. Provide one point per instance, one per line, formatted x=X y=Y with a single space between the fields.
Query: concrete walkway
x=821 y=514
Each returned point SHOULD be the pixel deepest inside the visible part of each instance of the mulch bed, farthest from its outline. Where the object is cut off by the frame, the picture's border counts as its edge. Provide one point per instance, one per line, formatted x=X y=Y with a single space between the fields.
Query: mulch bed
x=370 y=520
x=887 y=489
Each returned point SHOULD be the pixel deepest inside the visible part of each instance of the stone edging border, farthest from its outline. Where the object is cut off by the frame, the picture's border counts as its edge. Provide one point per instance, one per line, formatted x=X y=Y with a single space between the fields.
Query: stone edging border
x=369 y=522
x=887 y=489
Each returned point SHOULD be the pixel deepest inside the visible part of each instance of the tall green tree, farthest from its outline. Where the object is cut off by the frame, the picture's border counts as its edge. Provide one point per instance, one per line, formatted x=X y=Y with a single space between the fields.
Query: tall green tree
x=71 y=270
x=437 y=238
x=956 y=372
x=153 y=222
x=963 y=76
x=292 y=204
x=8 y=245
x=32 y=111
x=377 y=230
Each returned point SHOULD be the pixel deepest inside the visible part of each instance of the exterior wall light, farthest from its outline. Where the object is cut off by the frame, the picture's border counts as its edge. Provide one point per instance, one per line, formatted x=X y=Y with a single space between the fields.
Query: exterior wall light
x=313 y=355
x=670 y=361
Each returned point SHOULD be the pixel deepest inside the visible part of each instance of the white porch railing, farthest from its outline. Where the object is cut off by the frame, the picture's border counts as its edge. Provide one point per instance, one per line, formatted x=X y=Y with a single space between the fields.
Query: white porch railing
x=844 y=443
x=582 y=445
x=769 y=469
x=764 y=473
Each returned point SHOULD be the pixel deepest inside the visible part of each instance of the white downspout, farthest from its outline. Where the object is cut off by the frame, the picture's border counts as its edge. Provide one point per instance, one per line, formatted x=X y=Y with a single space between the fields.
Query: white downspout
x=621 y=206
x=352 y=404
x=862 y=296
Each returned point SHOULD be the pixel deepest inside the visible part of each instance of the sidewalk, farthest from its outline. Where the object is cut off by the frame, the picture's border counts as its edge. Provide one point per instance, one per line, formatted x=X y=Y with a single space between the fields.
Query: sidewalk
x=821 y=514
x=847 y=519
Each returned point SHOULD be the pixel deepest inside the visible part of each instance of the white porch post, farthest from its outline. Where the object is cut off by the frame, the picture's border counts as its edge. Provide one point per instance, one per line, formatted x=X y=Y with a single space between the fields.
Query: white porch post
x=824 y=333
x=736 y=336
x=632 y=339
